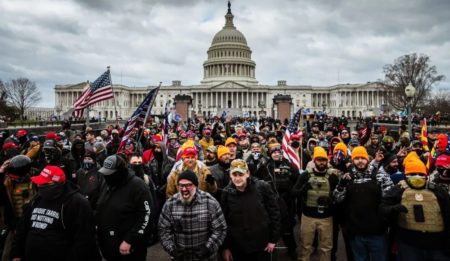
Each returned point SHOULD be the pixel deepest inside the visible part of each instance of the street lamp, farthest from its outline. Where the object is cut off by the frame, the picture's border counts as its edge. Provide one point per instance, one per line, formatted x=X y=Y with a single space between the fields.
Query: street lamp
x=410 y=91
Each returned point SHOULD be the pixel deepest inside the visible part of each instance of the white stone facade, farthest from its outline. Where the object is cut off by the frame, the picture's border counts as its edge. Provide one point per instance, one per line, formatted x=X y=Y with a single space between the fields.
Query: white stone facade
x=229 y=84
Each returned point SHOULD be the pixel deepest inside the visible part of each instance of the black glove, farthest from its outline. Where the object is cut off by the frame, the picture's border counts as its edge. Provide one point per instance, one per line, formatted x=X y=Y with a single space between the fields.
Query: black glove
x=344 y=182
x=210 y=179
x=203 y=252
x=399 y=208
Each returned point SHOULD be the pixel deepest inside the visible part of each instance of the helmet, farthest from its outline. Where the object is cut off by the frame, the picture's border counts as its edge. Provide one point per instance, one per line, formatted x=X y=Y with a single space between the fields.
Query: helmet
x=19 y=165
x=173 y=135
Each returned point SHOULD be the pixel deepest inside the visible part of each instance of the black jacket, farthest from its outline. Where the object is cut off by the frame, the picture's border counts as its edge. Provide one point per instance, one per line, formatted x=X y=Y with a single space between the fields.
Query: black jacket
x=91 y=182
x=253 y=216
x=123 y=214
x=61 y=229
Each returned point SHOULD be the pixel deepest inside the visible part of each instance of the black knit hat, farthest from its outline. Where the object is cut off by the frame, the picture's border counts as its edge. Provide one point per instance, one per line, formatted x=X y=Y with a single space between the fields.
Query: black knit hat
x=189 y=175
x=388 y=158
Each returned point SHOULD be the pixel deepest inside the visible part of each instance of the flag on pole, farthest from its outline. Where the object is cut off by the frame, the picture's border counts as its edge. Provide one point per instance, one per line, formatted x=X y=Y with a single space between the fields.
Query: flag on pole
x=99 y=90
x=139 y=117
x=165 y=124
x=289 y=153
x=424 y=135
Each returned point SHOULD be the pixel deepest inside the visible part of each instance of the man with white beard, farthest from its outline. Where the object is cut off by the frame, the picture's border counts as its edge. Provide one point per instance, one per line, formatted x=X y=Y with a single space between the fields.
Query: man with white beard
x=191 y=225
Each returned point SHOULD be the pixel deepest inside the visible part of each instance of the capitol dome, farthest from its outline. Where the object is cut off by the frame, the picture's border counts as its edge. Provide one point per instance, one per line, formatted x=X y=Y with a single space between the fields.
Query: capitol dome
x=229 y=34
x=229 y=57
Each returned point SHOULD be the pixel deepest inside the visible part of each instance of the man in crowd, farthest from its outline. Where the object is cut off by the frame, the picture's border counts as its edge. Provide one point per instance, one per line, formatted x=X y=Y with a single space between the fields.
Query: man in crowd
x=421 y=212
x=191 y=225
x=58 y=224
x=282 y=177
x=315 y=188
x=360 y=193
x=211 y=156
x=189 y=161
x=252 y=214
x=123 y=213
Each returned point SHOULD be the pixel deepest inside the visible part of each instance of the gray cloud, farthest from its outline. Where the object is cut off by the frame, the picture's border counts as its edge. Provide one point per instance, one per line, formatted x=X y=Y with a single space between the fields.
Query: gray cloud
x=317 y=42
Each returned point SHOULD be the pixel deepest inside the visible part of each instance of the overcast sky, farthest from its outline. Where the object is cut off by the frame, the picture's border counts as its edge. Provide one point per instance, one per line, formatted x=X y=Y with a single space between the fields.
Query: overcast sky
x=316 y=42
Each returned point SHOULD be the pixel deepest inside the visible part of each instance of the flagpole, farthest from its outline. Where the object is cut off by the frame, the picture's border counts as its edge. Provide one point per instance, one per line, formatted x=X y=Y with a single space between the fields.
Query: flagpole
x=147 y=114
x=114 y=95
x=300 y=126
x=87 y=109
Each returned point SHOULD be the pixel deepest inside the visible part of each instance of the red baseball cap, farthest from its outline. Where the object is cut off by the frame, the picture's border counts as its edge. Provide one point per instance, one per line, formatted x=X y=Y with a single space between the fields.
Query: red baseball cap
x=189 y=152
x=442 y=160
x=49 y=174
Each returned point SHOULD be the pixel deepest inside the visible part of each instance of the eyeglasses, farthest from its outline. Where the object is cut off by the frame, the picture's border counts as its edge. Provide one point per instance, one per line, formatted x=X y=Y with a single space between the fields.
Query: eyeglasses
x=188 y=186
x=237 y=174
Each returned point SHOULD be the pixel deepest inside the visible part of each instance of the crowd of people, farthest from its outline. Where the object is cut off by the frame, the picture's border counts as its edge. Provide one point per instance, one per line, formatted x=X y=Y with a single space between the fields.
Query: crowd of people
x=222 y=189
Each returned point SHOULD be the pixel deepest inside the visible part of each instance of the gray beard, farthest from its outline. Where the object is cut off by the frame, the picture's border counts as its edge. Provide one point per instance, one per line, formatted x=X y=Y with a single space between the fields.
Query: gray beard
x=187 y=201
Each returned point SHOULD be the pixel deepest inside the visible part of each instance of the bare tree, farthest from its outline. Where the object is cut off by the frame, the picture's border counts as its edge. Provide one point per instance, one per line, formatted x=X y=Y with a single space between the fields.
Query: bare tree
x=410 y=68
x=440 y=102
x=22 y=94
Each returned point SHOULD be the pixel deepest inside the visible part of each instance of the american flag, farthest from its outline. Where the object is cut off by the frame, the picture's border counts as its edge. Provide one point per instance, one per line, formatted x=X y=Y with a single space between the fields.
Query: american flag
x=139 y=117
x=289 y=153
x=99 y=90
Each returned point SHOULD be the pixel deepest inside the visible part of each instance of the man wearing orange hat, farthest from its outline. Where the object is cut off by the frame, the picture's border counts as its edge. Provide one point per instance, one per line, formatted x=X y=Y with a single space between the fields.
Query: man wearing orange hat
x=421 y=213
x=360 y=193
x=189 y=161
x=231 y=144
x=314 y=188
x=61 y=216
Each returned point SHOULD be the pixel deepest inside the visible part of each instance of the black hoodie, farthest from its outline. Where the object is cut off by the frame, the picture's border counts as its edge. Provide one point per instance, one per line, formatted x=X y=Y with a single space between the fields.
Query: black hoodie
x=60 y=229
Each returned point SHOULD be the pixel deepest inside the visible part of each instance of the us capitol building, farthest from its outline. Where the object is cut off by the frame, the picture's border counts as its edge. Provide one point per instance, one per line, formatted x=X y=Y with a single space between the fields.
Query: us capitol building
x=229 y=84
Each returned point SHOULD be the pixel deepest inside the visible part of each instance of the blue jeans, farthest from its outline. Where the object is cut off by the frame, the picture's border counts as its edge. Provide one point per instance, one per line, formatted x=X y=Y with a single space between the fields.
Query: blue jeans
x=366 y=248
x=410 y=253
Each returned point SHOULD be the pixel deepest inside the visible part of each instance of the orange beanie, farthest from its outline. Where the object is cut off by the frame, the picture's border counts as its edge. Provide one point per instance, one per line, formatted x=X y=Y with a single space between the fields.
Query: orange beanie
x=342 y=147
x=222 y=150
x=319 y=152
x=415 y=166
x=360 y=151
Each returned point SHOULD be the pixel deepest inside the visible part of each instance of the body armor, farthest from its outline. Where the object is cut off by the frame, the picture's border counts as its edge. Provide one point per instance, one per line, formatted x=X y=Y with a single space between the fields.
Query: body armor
x=424 y=213
x=320 y=188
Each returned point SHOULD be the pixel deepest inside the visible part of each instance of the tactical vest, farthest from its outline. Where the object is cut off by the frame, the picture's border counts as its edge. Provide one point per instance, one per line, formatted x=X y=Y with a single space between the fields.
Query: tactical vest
x=432 y=215
x=21 y=195
x=320 y=187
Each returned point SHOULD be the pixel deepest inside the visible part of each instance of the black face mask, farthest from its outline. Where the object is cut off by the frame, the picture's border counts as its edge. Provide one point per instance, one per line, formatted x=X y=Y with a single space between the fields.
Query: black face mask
x=51 y=192
x=138 y=169
x=295 y=144
x=114 y=179
x=158 y=155
x=88 y=164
